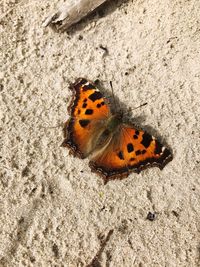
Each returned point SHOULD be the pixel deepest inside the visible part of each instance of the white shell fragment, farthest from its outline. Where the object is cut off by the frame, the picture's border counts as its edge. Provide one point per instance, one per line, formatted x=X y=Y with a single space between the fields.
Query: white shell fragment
x=71 y=12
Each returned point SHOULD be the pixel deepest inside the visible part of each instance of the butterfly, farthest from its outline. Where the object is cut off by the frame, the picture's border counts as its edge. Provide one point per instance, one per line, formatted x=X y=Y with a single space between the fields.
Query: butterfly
x=115 y=148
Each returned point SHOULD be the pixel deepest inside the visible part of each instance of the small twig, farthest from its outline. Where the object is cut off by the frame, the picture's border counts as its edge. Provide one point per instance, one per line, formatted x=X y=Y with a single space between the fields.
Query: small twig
x=95 y=261
x=71 y=12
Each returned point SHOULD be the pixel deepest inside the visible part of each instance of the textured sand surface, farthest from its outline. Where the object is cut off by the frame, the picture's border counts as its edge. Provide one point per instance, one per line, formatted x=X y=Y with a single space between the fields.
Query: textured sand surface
x=53 y=210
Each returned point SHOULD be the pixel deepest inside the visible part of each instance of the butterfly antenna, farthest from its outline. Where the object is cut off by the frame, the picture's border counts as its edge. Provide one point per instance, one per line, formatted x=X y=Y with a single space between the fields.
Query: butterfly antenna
x=115 y=104
x=142 y=105
x=130 y=109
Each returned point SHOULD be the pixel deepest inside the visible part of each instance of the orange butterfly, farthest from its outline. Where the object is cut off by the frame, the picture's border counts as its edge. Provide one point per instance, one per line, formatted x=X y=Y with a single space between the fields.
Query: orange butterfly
x=115 y=148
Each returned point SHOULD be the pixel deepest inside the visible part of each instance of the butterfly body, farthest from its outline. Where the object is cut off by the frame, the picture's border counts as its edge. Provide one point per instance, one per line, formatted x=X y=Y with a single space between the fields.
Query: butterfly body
x=114 y=122
x=115 y=148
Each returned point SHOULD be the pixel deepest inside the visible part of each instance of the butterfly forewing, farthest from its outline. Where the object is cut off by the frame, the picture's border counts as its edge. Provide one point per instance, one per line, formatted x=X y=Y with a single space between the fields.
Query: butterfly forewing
x=89 y=111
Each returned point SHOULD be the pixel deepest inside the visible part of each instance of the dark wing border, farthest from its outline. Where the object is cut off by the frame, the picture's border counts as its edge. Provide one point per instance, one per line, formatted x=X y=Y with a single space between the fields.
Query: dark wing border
x=68 y=127
x=107 y=174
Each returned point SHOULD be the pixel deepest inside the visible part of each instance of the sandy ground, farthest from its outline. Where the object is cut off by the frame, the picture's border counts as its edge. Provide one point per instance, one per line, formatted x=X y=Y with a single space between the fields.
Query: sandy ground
x=53 y=210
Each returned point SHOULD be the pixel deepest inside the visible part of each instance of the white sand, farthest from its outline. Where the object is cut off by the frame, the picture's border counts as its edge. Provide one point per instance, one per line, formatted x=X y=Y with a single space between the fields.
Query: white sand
x=53 y=210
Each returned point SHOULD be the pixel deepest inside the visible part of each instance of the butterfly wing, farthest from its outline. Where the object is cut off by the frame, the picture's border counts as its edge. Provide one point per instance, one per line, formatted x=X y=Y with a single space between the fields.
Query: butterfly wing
x=89 y=110
x=130 y=150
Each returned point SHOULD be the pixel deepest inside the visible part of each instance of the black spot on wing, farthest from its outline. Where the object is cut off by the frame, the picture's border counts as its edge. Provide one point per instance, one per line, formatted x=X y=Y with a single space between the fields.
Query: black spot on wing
x=146 y=140
x=95 y=96
x=158 y=148
x=137 y=132
x=135 y=136
x=132 y=159
x=88 y=87
x=100 y=104
x=84 y=123
x=143 y=151
x=89 y=112
x=138 y=152
x=130 y=148
x=84 y=105
x=121 y=155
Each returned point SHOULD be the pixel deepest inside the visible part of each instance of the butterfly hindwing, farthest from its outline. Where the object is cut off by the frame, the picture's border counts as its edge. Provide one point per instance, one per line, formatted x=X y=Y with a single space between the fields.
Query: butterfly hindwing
x=88 y=111
x=130 y=150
